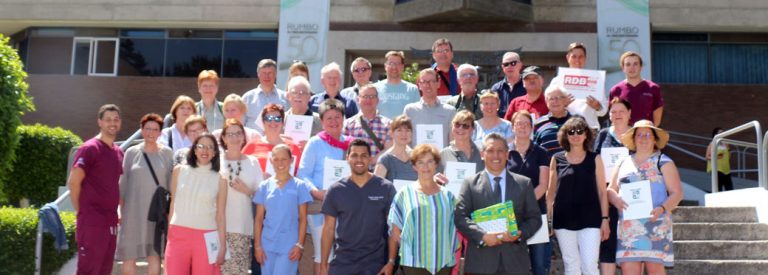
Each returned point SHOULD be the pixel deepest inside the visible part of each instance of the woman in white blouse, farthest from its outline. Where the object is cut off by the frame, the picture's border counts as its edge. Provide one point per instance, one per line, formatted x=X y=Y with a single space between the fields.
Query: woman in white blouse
x=243 y=175
x=198 y=205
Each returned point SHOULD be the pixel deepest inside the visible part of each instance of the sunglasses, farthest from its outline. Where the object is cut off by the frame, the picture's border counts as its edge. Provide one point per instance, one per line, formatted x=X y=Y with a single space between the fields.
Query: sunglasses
x=573 y=132
x=462 y=126
x=361 y=70
x=270 y=118
x=510 y=63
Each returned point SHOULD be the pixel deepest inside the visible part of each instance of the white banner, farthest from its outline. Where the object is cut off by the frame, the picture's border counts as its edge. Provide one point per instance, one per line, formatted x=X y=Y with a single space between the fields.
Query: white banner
x=582 y=83
x=302 y=36
x=622 y=25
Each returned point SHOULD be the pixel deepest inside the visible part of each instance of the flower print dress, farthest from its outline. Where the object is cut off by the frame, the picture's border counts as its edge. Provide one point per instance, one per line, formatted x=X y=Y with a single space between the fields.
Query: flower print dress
x=642 y=240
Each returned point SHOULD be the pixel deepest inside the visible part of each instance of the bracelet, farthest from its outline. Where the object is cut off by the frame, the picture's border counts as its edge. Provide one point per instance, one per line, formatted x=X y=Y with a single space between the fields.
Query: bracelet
x=664 y=209
x=605 y=218
x=299 y=246
x=391 y=261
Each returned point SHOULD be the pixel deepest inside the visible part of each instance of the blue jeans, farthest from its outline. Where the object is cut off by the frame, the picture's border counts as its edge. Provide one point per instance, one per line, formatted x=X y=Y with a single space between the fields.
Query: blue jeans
x=541 y=257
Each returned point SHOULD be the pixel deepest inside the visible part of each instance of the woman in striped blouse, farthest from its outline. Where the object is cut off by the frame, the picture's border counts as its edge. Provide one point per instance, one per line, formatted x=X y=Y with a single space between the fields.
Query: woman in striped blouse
x=421 y=220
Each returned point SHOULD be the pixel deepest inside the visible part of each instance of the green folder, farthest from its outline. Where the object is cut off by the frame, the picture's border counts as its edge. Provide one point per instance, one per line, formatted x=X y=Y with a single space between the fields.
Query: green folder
x=503 y=210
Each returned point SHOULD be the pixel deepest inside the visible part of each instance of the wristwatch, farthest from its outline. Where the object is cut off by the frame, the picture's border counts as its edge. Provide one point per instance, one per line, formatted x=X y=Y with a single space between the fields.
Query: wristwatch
x=500 y=237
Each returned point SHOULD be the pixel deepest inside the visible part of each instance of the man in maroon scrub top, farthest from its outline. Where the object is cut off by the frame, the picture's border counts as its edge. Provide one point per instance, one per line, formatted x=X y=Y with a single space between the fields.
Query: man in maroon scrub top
x=95 y=194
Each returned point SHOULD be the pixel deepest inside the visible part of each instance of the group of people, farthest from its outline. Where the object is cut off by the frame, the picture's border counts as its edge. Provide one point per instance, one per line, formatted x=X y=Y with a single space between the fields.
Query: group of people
x=242 y=194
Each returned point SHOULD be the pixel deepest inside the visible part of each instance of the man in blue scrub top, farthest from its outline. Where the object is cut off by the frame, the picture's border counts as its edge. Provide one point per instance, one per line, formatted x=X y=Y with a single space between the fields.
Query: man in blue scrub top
x=360 y=204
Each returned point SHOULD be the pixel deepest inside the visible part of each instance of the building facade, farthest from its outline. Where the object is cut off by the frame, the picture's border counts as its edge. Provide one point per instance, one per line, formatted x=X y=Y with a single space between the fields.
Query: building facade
x=141 y=54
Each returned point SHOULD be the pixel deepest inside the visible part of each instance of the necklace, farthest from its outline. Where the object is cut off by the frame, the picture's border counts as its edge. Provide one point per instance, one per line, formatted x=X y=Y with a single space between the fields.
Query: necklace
x=233 y=171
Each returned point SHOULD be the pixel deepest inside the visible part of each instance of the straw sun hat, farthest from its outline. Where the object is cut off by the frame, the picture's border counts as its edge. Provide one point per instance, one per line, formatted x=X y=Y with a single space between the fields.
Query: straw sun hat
x=628 y=139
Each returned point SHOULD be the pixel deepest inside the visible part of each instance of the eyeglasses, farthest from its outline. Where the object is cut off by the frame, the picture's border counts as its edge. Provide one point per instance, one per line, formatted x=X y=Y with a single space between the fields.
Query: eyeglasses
x=201 y=146
x=235 y=134
x=271 y=118
x=299 y=92
x=464 y=126
x=361 y=70
x=369 y=97
x=299 y=61
x=574 y=132
x=467 y=76
x=510 y=63
x=429 y=81
x=443 y=51
x=643 y=135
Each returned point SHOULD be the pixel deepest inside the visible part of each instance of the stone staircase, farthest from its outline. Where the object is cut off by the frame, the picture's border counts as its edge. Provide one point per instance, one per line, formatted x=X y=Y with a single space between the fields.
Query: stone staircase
x=719 y=240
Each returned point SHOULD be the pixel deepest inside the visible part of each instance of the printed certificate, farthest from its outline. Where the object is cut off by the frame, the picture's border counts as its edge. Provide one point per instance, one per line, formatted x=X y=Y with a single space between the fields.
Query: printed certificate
x=430 y=134
x=456 y=172
x=611 y=157
x=333 y=171
x=298 y=127
x=638 y=196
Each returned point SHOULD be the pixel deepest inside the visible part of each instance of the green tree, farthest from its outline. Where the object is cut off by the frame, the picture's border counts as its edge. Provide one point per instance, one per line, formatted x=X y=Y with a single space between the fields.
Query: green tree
x=14 y=102
x=411 y=73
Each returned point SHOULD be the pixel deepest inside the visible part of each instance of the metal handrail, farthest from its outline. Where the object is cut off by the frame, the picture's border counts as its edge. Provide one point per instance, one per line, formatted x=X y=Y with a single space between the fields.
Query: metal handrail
x=763 y=170
x=684 y=151
x=760 y=151
x=39 y=238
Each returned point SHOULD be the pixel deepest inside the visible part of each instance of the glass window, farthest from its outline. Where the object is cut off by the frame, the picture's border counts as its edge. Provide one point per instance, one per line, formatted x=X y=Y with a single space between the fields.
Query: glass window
x=187 y=57
x=667 y=60
x=143 y=33
x=81 y=57
x=250 y=35
x=141 y=57
x=739 y=63
x=242 y=56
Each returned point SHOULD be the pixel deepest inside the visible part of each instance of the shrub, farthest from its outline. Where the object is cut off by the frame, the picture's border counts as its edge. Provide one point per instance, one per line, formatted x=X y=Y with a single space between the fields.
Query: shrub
x=40 y=166
x=411 y=73
x=18 y=228
x=14 y=102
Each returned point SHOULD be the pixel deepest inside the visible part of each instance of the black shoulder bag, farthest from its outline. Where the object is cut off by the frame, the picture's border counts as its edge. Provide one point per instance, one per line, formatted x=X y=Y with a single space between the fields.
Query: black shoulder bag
x=158 y=209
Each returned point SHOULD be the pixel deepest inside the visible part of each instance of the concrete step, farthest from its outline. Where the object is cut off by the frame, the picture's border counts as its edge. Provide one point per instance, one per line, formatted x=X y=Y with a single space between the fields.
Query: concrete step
x=715 y=214
x=720 y=231
x=730 y=267
x=721 y=250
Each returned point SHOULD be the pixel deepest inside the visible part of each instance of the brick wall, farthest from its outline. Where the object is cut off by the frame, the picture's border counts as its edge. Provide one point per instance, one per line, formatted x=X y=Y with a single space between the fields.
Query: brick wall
x=72 y=102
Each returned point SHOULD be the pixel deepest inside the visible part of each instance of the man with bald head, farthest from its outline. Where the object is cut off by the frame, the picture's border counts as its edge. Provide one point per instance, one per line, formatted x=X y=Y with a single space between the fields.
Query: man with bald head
x=512 y=85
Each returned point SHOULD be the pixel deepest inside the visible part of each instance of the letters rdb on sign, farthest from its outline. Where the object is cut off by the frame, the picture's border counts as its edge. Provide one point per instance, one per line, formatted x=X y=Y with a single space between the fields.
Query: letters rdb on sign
x=582 y=83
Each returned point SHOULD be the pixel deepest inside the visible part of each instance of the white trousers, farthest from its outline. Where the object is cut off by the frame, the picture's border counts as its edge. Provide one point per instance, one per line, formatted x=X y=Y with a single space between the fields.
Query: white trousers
x=581 y=250
x=315 y=224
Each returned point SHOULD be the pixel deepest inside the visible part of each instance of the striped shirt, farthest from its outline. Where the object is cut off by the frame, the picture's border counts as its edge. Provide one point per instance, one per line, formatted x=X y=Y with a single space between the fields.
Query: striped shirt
x=545 y=133
x=428 y=236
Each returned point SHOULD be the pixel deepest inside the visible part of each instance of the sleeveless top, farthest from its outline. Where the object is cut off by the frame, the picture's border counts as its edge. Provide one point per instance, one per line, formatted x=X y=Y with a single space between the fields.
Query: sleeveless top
x=577 y=204
x=194 y=202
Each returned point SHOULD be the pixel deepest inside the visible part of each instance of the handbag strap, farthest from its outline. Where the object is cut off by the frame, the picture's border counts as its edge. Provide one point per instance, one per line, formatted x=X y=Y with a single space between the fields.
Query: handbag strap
x=151 y=170
x=370 y=133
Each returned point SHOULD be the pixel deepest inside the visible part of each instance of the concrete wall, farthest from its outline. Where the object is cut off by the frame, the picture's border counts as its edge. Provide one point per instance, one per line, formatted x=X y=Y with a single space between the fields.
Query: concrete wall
x=675 y=15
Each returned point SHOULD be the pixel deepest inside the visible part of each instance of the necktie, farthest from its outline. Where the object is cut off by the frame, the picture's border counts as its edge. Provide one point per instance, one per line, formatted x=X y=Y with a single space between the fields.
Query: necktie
x=497 y=187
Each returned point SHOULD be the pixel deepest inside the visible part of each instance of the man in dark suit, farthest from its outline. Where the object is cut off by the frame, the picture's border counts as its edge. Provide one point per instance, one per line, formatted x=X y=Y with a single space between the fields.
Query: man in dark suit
x=497 y=252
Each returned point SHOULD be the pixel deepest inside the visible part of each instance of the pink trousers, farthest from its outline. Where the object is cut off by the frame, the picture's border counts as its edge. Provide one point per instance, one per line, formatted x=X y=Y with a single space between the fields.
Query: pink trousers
x=186 y=253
